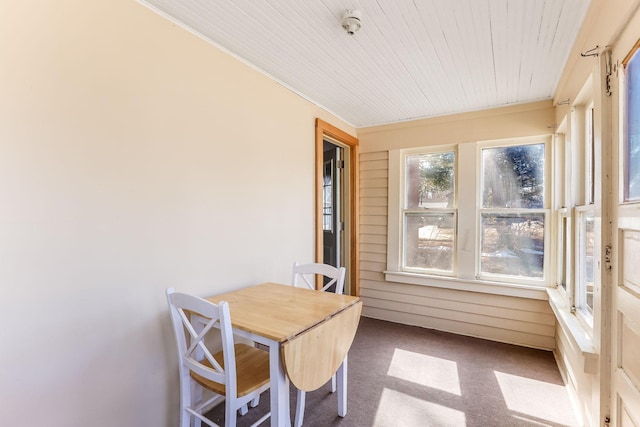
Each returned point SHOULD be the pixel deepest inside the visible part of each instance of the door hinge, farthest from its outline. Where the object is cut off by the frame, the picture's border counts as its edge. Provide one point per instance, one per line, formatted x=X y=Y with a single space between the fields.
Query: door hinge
x=340 y=164
x=341 y=225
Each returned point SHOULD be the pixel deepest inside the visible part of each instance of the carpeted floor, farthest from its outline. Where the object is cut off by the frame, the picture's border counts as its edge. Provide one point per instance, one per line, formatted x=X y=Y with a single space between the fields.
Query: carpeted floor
x=405 y=376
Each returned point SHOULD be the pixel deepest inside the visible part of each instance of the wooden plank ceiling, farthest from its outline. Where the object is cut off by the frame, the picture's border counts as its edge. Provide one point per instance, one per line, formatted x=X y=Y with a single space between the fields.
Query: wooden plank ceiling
x=411 y=59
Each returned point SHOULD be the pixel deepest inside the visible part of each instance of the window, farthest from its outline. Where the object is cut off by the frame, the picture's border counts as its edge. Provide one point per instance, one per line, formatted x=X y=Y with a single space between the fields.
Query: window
x=632 y=127
x=429 y=215
x=564 y=251
x=468 y=215
x=577 y=242
x=513 y=216
x=585 y=260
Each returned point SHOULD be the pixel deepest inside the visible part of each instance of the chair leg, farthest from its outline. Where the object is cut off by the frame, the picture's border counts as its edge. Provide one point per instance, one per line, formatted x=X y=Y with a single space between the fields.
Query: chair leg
x=300 y=408
x=243 y=410
x=333 y=383
x=230 y=414
x=255 y=402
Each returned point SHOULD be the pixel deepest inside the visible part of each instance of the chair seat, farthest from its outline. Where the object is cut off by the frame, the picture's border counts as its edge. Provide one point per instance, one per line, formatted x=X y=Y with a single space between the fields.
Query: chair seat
x=252 y=366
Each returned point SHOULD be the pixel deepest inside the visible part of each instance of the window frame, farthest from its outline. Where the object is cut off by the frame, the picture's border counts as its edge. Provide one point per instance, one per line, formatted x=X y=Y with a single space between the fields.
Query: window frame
x=579 y=306
x=545 y=210
x=467 y=255
x=406 y=211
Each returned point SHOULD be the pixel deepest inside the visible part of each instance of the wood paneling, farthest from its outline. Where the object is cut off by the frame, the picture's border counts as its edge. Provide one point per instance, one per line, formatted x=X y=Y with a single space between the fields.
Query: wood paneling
x=411 y=59
x=502 y=318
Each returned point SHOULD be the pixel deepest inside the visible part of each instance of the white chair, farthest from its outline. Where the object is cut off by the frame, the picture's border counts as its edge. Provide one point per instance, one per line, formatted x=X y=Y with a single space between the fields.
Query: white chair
x=309 y=273
x=237 y=374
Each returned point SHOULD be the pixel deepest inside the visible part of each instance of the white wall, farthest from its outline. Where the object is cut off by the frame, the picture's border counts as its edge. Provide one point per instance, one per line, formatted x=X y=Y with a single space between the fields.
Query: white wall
x=133 y=157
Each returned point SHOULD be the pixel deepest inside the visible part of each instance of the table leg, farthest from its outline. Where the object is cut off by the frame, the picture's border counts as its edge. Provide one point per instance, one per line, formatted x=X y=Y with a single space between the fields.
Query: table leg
x=341 y=377
x=279 y=389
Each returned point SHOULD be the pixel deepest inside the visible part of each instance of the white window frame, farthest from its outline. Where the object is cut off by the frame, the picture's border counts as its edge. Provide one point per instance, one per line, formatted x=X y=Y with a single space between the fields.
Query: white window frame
x=407 y=211
x=544 y=210
x=582 y=311
x=467 y=245
x=565 y=257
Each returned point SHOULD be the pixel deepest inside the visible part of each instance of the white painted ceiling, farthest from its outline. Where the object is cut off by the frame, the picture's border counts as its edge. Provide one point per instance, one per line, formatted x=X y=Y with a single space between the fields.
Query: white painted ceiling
x=411 y=59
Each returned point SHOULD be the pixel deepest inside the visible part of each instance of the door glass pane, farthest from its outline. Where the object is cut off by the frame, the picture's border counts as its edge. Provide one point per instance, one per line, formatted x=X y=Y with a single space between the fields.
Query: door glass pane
x=632 y=125
x=429 y=241
x=327 y=196
x=430 y=180
x=513 y=244
x=513 y=177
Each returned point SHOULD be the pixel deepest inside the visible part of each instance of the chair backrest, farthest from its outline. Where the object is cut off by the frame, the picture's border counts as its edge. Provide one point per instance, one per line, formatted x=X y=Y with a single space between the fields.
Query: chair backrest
x=194 y=319
x=309 y=272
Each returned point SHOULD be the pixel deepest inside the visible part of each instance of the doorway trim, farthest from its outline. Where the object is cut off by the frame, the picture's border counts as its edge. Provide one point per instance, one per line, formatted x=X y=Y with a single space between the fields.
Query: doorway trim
x=324 y=129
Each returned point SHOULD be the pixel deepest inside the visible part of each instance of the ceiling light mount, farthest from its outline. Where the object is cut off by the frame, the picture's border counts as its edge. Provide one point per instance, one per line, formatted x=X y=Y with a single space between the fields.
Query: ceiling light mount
x=352 y=21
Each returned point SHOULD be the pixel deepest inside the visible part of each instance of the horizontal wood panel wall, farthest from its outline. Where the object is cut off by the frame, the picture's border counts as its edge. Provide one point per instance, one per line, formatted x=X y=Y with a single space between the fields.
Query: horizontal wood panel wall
x=513 y=320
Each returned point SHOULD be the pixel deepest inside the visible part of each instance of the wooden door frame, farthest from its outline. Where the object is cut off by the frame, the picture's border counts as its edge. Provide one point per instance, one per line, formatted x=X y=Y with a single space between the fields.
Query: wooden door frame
x=324 y=129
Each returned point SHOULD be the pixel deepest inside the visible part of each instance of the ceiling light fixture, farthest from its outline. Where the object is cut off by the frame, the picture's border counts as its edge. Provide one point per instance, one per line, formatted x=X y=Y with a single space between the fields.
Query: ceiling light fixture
x=351 y=21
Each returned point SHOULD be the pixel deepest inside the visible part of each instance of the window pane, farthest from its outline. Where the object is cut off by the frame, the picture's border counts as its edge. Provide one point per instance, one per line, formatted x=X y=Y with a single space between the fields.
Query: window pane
x=513 y=177
x=513 y=245
x=632 y=124
x=430 y=180
x=562 y=262
x=429 y=241
x=587 y=265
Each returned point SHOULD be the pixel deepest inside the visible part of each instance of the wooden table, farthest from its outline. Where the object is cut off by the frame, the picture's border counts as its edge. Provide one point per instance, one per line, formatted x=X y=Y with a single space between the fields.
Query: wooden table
x=308 y=334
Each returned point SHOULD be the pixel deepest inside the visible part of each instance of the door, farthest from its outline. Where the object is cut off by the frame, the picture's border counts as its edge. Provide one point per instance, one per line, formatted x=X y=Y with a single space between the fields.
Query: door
x=342 y=242
x=625 y=295
x=332 y=212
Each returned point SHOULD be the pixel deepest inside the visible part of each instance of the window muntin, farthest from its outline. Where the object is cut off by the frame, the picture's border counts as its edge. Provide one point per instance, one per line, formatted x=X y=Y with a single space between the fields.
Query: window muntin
x=513 y=215
x=429 y=215
x=632 y=128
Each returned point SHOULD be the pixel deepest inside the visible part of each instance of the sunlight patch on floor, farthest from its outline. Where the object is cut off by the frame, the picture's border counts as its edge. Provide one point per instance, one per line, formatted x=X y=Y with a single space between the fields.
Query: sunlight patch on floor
x=540 y=400
x=399 y=409
x=434 y=372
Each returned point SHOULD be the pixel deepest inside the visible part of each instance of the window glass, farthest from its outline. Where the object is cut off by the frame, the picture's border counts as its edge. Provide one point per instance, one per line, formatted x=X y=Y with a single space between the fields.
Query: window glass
x=327 y=196
x=430 y=180
x=563 y=273
x=586 y=261
x=429 y=241
x=513 y=244
x=513 y=177
x=632 y=125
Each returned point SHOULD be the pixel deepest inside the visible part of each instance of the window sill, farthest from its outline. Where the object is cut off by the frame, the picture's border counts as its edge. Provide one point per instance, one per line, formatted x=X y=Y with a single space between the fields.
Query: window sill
x=579 y=336
x=469 y=285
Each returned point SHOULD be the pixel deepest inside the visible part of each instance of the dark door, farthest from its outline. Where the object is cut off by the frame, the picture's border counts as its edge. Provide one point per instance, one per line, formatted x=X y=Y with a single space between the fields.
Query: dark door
x=332 y=212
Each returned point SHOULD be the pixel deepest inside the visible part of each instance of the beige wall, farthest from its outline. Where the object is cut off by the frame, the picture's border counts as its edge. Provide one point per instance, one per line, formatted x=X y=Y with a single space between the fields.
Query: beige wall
x=526 y=321
x=134 y=156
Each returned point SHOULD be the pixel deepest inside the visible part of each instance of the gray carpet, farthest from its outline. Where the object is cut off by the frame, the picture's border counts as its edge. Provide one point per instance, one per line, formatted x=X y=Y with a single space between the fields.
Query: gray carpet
x=405 y=376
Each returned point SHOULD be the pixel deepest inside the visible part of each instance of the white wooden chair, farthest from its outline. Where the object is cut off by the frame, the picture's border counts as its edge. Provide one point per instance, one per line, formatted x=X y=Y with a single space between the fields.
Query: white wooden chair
x=237 y=374
x=310 y=272
x=306 y=275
